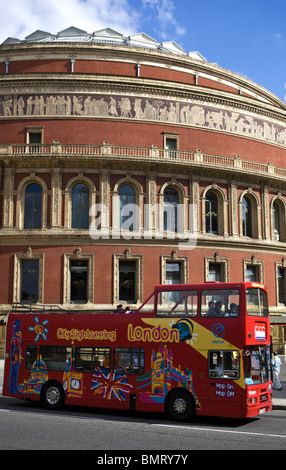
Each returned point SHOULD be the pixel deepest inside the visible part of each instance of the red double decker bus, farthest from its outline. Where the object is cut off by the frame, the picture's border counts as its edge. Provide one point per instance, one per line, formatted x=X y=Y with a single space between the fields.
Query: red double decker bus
x=196 y=349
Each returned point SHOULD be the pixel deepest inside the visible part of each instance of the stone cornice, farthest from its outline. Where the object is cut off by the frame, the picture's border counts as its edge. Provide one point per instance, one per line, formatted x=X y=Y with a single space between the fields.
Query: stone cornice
x=54 y=237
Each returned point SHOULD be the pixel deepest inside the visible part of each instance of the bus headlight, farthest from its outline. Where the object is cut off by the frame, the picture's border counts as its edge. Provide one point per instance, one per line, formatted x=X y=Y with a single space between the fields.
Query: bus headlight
x=252 y=401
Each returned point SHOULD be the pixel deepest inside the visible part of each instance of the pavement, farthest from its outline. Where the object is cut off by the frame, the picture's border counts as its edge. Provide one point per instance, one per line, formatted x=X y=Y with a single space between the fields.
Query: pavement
x=279 y=397
x=1 y=375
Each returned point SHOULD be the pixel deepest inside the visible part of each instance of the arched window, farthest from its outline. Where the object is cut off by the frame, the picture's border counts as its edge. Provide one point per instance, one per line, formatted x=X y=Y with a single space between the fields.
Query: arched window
x=127 y=214
x=276 y=221
x=211 y=213
x=80 y=206
x=33 y=206
x=246 y=217
x=171 y=200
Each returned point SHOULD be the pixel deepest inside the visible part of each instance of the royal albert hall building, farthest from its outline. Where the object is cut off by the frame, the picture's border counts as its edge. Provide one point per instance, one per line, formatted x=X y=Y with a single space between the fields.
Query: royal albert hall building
x=101 y=120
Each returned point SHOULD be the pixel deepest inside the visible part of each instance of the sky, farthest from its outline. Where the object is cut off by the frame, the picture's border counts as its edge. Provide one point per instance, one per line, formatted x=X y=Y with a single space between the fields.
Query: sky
x=247 y=37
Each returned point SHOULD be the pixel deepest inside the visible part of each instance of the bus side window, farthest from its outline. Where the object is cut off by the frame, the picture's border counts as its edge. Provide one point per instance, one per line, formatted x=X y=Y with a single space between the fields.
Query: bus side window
x=87 y=358
x=220 y=303
x=224 y=364
x=177 y=303
x=129 y=360
x=31 y=356
x=56 y=357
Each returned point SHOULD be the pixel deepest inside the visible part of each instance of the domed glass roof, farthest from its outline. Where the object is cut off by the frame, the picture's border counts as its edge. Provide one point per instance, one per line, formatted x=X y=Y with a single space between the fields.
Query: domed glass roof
x=104 y=36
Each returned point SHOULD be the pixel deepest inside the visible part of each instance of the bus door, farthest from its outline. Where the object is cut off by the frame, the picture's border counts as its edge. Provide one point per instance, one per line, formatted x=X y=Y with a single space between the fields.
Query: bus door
x=224 y=370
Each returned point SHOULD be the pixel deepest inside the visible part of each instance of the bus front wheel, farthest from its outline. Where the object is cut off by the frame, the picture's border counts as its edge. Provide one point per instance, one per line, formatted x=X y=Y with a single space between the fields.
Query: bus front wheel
x=52 y=395
x=180 y=406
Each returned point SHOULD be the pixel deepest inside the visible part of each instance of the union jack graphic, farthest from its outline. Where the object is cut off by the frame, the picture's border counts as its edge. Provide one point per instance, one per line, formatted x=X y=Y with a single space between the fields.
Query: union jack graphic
x=108 y=384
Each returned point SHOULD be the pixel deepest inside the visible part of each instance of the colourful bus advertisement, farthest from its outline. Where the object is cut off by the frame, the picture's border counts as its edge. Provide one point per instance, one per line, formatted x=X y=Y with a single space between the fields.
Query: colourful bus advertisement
x=190 y=349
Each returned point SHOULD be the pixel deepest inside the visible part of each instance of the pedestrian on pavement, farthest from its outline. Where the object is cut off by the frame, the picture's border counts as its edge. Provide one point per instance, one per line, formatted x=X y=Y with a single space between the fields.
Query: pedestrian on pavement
x=276 y=366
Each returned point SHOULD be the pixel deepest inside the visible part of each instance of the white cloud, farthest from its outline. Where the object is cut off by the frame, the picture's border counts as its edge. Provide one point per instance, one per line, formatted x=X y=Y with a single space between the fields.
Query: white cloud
x=279 y=38
x=19 y=18
x=165 y=12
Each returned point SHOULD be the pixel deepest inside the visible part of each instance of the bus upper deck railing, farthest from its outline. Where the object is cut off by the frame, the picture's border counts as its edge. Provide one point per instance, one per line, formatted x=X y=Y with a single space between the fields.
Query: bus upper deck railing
x=19 y=307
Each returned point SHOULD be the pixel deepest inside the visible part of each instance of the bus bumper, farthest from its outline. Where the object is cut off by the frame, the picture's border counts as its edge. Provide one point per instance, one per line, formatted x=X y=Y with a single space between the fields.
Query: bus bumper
x=260 y=409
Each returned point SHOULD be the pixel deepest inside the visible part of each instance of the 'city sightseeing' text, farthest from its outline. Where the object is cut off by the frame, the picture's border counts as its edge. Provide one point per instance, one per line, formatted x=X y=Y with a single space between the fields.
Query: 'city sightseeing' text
x=79 y=335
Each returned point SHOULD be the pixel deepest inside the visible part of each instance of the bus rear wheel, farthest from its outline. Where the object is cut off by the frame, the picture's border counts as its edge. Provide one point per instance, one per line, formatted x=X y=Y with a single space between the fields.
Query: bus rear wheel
x=52 y=395
x=180 y=406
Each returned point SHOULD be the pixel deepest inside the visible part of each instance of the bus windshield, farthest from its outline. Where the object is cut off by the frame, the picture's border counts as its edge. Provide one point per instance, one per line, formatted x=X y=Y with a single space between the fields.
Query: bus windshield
x=256 y=302
x=255 y=364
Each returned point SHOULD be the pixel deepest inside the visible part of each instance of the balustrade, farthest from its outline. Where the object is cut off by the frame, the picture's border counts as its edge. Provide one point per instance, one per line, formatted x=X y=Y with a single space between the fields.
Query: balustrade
x=196 y=158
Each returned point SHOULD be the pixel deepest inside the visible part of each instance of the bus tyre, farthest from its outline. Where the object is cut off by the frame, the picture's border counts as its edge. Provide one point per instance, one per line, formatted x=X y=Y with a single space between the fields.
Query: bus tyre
x=52 y=395
x=180 y=406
